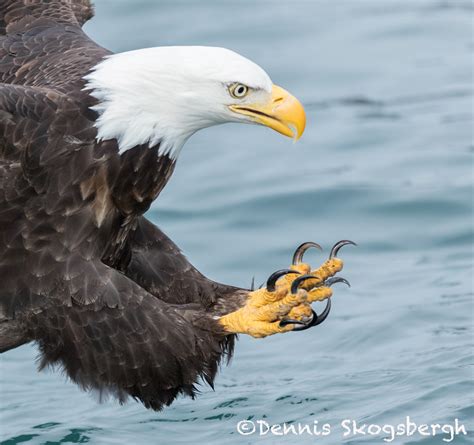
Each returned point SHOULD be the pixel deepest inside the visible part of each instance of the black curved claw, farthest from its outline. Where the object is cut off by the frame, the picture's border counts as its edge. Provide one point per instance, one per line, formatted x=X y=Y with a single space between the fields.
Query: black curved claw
x=299 y=280
x=335 y=249
x=272 y=279
x=304 y=326
x=324 y=314
x=317 y=319
x=334 y=280
x=301 y=250
x=288 y=321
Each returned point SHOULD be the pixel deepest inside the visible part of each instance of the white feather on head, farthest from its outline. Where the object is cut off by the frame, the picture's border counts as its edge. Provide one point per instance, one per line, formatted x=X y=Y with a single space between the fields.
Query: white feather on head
x=163 y=95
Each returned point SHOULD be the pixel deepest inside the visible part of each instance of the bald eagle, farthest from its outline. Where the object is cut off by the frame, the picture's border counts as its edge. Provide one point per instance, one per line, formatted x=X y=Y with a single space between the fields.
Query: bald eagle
x=88 y=139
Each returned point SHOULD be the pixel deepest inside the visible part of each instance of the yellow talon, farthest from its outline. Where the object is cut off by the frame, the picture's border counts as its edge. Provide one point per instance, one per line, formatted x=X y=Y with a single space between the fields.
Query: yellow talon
x=301 y=312
x=265 y=308
x=262 y=312
x=319 y=294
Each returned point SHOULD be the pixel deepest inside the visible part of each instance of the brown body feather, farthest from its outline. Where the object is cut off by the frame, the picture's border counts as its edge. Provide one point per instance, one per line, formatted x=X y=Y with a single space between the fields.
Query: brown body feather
x=103 y=291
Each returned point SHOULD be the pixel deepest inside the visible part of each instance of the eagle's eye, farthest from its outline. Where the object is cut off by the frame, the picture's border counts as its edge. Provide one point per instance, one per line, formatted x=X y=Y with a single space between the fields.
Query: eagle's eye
x=238 y=91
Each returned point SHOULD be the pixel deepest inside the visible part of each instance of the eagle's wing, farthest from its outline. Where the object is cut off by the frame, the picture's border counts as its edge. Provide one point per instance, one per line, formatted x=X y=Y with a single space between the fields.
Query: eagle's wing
x=39 y=129
x=42 y=44
x=125 y=341
x=158 y=265
x=17 y=15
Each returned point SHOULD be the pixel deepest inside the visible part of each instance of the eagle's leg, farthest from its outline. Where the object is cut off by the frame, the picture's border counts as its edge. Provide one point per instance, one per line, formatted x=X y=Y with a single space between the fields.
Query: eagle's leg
x=12 y=334
x=285 y=303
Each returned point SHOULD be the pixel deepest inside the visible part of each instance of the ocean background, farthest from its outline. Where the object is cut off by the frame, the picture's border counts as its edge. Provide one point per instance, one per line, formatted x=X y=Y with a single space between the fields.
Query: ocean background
x=387 y=161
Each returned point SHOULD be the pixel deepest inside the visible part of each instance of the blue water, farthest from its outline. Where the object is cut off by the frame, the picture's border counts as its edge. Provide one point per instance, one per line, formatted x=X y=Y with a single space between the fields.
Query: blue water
x=387 y=160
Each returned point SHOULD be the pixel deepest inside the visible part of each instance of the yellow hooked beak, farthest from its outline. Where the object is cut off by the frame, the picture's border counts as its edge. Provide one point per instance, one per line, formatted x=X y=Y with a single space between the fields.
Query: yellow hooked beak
x=283 y=113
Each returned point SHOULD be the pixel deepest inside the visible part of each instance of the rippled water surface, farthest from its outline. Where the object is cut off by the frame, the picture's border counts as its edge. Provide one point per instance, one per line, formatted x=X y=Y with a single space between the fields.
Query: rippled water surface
x=386 y=161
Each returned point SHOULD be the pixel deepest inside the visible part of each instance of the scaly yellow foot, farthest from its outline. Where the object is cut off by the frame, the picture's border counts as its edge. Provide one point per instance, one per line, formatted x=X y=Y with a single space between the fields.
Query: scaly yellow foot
x=285 y=303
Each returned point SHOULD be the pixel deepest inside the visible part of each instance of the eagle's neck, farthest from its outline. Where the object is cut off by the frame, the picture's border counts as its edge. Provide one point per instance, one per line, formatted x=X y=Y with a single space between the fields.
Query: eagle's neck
x=136 y=178
x=139 y=176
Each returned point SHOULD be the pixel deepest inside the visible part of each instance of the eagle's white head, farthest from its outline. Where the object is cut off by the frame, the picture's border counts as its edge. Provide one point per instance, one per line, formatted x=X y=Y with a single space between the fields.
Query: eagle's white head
x=164 y=95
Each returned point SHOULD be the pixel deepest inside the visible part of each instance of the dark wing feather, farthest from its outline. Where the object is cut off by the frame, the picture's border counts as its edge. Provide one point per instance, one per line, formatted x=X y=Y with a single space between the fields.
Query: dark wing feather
x=83 y=10
x=19 y=15
x=44 y=46
x=45 y=154
x=41 y=129
x=159 y=266
x=127 y=341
